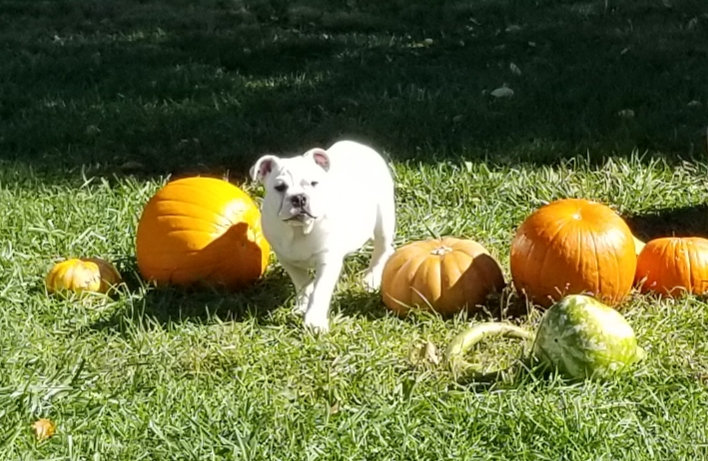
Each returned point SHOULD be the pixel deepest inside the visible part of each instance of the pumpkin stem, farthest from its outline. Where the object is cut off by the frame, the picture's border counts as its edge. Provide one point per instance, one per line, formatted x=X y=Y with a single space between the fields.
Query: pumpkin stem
x=441 y=250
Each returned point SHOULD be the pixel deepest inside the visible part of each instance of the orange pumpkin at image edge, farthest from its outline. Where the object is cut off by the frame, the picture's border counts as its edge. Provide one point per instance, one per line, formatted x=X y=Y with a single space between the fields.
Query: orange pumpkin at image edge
x=201 y=230
x=573 y=246
x=446 y=274
x=673 y=265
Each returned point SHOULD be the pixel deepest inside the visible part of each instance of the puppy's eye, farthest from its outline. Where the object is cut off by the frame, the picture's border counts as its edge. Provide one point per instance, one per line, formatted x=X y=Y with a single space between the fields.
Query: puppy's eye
x=314 y=183
x=281 y=187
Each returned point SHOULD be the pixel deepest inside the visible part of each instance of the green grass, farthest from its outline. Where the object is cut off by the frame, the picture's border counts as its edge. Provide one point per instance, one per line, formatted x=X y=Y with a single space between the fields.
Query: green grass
x=101 y=102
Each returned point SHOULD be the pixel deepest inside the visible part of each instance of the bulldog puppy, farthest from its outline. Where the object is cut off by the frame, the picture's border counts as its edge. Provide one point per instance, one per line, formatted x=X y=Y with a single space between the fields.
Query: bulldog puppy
x=319 y=207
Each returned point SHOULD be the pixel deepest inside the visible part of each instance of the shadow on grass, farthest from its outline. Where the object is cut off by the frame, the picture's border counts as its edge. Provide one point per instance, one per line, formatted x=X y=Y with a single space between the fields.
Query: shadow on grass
x=359 y=303
x=171 y=304
x=168 y=305
x=503 y=306
x=524 y=372
x=680 y=222
x=157 y=86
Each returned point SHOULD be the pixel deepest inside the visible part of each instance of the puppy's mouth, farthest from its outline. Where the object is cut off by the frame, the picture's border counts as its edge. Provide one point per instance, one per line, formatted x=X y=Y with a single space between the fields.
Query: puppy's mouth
x=300 y=217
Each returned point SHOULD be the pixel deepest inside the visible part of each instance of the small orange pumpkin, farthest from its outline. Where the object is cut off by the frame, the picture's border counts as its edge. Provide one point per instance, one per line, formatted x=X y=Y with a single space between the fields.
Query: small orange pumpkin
x=672 y=265
x=82 y=274
x=200 y=229
x=445 y=274
x=573 y=246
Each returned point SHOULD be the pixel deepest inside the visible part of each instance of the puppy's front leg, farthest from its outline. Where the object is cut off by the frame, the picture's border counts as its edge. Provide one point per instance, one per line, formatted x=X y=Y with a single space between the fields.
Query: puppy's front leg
x=303 y=285
x=326 y=276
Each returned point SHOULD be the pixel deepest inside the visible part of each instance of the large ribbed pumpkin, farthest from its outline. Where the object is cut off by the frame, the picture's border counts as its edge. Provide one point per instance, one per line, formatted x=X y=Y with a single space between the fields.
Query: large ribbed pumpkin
x=673 y=265
x=201 y=230
x=447 y=275
x=573 y=246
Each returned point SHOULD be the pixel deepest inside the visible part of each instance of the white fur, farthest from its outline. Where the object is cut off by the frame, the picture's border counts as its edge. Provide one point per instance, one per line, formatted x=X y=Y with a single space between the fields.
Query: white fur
x=350 y=203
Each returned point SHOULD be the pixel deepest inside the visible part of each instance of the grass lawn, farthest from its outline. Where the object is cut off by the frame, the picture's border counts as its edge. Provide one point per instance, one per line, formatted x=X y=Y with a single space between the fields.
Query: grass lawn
x=102 y=102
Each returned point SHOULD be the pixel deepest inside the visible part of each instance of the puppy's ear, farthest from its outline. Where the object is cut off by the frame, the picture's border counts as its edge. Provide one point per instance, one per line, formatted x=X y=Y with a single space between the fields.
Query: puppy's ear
x=263 y=167
x=319 y=156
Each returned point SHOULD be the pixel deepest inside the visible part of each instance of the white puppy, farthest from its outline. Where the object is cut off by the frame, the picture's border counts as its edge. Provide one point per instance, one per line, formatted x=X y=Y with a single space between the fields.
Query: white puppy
x=319 y=207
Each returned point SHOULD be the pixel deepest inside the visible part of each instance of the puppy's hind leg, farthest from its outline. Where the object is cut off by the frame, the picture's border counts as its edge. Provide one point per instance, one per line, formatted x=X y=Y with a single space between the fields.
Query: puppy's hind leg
x=383 y=244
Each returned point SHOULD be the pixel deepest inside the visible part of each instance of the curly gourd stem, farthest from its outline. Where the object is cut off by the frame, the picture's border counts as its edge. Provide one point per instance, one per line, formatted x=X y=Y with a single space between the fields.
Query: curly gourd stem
x=463 y=342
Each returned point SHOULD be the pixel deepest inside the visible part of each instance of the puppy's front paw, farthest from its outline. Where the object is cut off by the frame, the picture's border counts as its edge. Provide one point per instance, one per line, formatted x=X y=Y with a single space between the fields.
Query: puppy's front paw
x=371 y=280
x=302 y=300
x=301 y=303
x=316 y=323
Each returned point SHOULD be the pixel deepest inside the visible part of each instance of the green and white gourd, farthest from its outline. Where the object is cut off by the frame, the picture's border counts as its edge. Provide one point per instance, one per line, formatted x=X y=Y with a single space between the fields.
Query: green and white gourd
x=583 y=338
x=579 y=336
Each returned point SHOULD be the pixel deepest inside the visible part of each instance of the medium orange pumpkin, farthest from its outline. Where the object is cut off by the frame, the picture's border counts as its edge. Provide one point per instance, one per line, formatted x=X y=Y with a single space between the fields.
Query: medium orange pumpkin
x=82 y=274
x=673 y=265
x=202 y=230
x=445 y=274
x=573 y=246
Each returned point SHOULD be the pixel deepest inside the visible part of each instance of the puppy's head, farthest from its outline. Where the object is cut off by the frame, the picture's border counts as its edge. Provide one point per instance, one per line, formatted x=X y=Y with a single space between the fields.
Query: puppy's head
x=295 y=187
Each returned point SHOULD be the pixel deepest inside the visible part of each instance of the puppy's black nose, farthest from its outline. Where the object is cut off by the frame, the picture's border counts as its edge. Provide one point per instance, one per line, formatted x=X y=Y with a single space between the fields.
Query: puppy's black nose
x=299 y=200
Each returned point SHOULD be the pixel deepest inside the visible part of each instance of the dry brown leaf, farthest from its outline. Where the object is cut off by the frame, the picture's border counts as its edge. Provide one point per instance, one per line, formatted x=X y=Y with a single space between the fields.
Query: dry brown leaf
x=44 y=428
x=502 y=92
x=694 y=104
x=431 y=353
x=424 y=352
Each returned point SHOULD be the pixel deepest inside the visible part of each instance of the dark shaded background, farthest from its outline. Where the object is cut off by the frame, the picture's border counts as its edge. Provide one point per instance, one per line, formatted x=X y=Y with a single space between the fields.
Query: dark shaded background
x=158 y=86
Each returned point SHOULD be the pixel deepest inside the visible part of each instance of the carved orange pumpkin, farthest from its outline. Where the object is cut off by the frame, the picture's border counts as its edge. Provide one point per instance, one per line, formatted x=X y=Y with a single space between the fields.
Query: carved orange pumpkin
x=201 y=230
x=672 y=265
x=573 y=246
x=446 y=275
x=82 y=274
